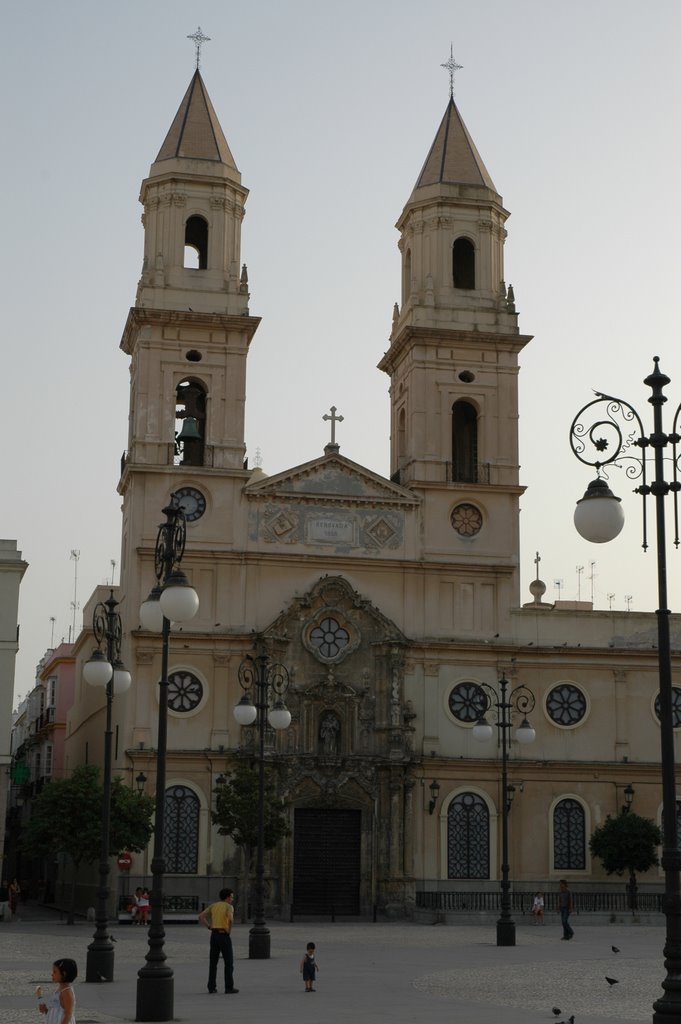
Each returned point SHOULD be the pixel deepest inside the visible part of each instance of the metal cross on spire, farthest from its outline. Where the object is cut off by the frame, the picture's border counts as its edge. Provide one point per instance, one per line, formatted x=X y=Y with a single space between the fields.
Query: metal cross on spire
x=198 y=40
x=334 y=420
x=452 y=67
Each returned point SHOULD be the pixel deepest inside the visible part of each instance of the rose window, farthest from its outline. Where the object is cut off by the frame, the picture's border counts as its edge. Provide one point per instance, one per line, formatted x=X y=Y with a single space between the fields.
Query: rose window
x=185 y=691
x=329 y=638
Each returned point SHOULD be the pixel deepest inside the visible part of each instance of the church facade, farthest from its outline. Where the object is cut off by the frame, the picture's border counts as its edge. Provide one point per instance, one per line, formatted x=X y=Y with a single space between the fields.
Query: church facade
x=392 y=602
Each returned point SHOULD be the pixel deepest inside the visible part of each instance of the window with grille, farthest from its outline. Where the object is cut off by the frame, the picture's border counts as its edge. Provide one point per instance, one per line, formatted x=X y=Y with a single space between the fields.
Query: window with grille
x=468 y=837
x=181 y=834
x=569 y=836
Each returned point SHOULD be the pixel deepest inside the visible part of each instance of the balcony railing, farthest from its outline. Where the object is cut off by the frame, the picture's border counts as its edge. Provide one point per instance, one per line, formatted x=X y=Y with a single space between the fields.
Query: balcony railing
x=45 y=718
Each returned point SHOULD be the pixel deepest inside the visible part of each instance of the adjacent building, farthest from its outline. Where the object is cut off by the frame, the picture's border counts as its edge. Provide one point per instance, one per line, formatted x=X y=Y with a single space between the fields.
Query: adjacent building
x=12 y=569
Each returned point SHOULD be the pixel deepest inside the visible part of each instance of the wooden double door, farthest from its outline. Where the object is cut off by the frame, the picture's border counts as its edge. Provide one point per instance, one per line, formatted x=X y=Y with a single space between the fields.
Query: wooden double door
x=326 y=861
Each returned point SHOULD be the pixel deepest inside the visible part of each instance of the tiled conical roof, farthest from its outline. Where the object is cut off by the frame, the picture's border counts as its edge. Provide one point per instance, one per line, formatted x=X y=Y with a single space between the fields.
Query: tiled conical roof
x=453 y=158
x=195 y=133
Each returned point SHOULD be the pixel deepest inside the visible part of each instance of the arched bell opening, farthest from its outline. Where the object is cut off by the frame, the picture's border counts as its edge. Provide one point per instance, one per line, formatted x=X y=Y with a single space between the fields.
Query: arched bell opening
x=464 y=442
x=196 y=243
x=463 y=263
x=190 y=423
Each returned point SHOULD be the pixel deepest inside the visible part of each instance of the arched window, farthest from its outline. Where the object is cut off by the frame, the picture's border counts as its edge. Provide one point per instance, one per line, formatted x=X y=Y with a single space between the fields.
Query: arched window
x=468 y=837
x=190 y=423
x=401 y=434
x=463 y=263
x=569 y=836
x=464 y=443
x=196 y=243
x=181 y=833
x=406 y=284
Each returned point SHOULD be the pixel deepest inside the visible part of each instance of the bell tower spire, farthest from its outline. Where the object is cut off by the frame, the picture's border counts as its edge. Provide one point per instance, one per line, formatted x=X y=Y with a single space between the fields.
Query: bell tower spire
x=453 y=355
x=189 y=331
x=193 y=208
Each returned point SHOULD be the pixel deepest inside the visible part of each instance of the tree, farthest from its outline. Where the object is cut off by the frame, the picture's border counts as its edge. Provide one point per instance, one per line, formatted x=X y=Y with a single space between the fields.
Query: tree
x=236 y=812
x=66 y=818
x=627 y=843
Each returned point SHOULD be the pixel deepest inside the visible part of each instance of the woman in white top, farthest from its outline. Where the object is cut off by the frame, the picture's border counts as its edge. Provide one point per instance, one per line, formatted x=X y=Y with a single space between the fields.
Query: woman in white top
x=538 y=908
x=60 y=1007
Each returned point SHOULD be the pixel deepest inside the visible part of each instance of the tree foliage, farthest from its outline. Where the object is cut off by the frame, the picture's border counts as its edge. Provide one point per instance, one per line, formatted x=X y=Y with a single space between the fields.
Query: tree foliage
x=236 y=808
x=67 y=818
x=626 y=843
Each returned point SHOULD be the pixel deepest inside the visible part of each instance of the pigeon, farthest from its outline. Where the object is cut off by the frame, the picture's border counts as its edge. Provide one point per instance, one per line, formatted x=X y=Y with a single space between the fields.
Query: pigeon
x=612 y=981
x=556 y=1012
x=614 y=949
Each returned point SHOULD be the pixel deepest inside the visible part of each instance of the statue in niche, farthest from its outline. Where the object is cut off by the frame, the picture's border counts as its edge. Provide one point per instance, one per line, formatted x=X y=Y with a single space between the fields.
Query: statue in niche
x=329 y=733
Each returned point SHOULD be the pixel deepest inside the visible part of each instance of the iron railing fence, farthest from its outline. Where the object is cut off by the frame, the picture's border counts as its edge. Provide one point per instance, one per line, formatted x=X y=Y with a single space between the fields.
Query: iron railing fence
x=521 y=902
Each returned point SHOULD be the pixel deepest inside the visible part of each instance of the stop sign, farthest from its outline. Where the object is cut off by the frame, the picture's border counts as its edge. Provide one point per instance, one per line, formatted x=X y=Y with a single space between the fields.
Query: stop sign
x=124 y=861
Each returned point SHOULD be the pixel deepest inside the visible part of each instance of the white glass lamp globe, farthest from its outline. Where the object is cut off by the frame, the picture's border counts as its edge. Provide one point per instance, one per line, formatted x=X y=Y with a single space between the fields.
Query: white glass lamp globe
x=179 y=602
x=280 y=716
x=151 y=616
x=525 y=733
x=599 y=516
x=122 y=680
x=97 y=669
x=482 y=730
x=245 y=712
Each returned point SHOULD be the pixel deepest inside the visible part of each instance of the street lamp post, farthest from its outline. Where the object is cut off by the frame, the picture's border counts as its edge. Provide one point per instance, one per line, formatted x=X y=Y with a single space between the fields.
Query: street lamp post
x=520 y=699
x=609 y=432
x=171 y=600
x=267 y=681
x=105 y=668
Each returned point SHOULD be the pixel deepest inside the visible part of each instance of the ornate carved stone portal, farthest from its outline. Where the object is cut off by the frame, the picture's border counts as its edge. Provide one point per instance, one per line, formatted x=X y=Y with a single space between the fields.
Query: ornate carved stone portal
x=349 y=749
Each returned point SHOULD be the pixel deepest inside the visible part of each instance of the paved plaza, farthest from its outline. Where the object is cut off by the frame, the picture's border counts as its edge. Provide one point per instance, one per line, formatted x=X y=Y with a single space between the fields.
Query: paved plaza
x=386 y=972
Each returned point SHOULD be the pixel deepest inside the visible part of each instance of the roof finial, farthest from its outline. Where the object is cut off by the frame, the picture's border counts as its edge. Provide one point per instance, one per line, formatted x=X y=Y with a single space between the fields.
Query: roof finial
x=451 y=66
x=198 y=39
x=333 y=446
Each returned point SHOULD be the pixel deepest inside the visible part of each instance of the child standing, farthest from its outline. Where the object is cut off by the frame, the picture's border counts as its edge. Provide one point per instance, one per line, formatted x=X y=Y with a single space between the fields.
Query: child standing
x=61 y=1006
x=309 y=967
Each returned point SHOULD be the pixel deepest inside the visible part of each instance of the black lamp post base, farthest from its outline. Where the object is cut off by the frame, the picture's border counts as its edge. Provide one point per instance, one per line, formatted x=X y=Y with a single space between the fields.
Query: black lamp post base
x=666 y=1013
x=99 y=965
x=505 y=933
x=155 y=998
x=259 y=944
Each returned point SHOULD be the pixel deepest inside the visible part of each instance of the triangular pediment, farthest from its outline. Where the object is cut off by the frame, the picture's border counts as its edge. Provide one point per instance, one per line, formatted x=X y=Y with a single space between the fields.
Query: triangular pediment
x=331 y=478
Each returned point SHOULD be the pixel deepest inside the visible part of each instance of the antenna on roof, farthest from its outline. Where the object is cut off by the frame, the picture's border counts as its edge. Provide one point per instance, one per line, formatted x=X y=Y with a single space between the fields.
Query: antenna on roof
x=450 y=65
x=198 y=40
x=75 y=555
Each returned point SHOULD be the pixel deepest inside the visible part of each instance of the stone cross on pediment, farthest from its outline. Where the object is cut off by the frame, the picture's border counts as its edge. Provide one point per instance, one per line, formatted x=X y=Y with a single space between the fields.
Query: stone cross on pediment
x=333 y=445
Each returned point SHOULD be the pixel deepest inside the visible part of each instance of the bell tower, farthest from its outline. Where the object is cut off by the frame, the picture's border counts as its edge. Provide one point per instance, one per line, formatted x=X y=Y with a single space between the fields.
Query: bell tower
x=187 y=337
x=189 y=331
x=453 y=358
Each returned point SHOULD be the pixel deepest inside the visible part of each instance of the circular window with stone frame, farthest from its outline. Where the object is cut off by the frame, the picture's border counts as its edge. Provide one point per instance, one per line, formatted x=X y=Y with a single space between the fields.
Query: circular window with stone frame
x=566 y=705
x=330 y=636
x=466 y=519
x=186 y=692
x=676 y=707
x=467 y=703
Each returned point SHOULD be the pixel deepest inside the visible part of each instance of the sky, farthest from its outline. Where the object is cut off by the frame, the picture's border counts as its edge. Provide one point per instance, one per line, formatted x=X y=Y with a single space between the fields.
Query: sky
x=330 y=110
